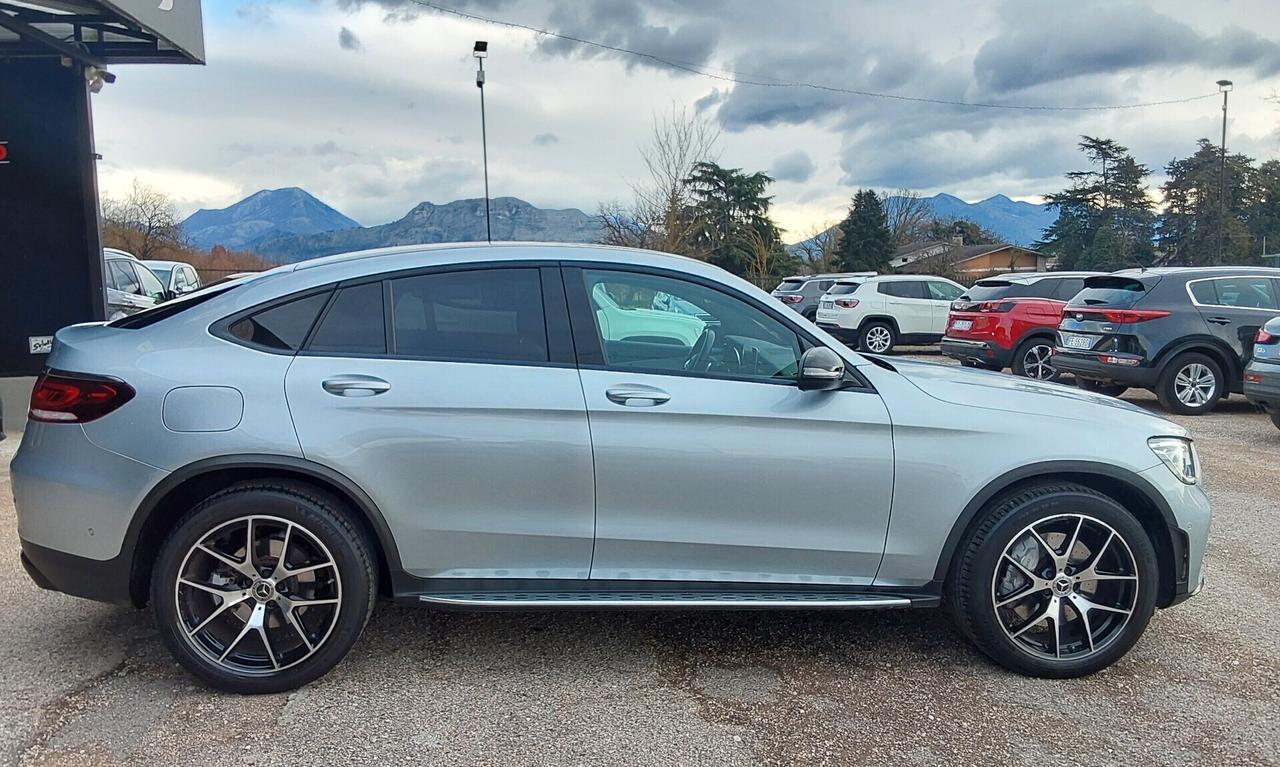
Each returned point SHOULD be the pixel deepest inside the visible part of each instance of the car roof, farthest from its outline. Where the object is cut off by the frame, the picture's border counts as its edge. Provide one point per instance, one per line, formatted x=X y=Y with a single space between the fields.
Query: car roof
x=117 y=253
x=1202 y=271
x=166 y=264
x=1030 y=277
x=905 y=277
x=823 y=276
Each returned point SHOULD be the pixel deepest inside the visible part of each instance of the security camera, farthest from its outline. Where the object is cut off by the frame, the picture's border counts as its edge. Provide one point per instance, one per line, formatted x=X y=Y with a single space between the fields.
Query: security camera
x=96 y=76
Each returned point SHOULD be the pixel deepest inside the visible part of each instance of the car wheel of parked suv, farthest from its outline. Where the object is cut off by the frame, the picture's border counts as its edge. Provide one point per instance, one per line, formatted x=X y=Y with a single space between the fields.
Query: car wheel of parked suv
x=263 y=587
x=877 y=338
x=1098 y=387
x=1191 y=384
x=1032 y=360
x=1056 y=581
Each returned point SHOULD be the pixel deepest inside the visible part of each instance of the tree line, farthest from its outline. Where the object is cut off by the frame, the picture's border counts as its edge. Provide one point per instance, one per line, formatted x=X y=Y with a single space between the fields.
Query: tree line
x=1108 y=219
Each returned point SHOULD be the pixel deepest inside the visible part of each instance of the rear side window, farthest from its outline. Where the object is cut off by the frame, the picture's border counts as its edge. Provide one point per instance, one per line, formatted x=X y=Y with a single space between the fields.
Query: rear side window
x=1241 y=292
x=123 y=277
x=1204 y=292
x=353 y=324
x=902 y=289
x=283 y=327
x=843 y=289
x=943 y=291
x=1110 y=290
x=485 y=314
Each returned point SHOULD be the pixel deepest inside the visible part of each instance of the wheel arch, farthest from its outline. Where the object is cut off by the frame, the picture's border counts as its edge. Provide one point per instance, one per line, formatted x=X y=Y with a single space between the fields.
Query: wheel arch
x=186 y=486
x=886 y=318
x=1209 y=346
x=1138 y=496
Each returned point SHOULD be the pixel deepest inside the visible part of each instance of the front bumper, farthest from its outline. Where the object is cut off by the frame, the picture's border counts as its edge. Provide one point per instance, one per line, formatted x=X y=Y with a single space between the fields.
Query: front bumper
x=1189 y=506
x=984 y=352
x=1090 y=366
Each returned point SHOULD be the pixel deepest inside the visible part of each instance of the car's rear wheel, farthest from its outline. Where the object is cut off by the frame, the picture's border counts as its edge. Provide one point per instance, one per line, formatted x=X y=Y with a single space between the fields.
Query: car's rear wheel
x=1033 y=359
x=1191 y=384
x=263 y=587
x=1098 y=387
x=1056 y=581
x=877 y=338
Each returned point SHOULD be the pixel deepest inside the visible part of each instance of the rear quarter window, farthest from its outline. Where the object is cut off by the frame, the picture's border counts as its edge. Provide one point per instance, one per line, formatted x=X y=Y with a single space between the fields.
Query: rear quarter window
x=282 y=327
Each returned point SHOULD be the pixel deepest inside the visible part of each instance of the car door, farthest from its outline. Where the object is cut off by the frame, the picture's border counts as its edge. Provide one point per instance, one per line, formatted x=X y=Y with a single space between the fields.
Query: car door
x=907 y=302
x=128 y=287
x=710 y=463
x=941 y=294
x=1235 y=307
x=451 y=397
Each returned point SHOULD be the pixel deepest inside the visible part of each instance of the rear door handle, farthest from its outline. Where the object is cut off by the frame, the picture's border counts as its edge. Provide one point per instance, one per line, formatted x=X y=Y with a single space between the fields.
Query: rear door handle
x=355 y=385
x=637 y=395
x=1220 y=320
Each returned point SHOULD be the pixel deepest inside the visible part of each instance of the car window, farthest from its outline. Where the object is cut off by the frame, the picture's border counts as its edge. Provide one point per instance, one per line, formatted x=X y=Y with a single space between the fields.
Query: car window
x=353 y=324
x=943 y=291
x=151 y=285
x=1110 y=290
x=193 y=279
x=161 y=274
x=1242 y=292
x=726 y=338
x=790 y=286
x=1066 y=288
x=485 y=314
x=825 y=285
x=124 y=278
x=843 y=288
x=902 y=289
x=284 y=326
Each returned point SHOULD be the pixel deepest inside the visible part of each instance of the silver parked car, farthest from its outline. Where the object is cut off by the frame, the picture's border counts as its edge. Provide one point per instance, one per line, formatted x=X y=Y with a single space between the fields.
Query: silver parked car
x=178 y=277
x=131 y=287
x=499 y=426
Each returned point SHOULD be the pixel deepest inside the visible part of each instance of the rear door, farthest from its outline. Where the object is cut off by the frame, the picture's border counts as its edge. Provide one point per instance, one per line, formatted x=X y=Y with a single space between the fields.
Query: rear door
x=907 y=302
x=1235 y=307
x=128 y=297
x=452 y=398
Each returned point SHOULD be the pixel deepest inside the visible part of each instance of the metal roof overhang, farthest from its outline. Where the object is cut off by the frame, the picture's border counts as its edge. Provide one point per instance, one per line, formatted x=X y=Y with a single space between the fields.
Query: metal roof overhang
x=103 y=32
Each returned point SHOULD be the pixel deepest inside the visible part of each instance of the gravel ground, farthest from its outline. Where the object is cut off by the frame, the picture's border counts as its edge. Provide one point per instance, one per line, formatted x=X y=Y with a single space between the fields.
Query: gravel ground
x=89 y=684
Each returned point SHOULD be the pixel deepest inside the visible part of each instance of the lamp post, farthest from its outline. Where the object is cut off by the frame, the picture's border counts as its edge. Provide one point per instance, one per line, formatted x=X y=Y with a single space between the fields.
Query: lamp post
x=1225 y=87
x=481 y=51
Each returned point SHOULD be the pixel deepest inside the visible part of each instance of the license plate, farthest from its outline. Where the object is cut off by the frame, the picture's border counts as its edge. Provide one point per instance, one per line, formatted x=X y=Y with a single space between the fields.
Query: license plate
x=962 y=325
x=1073 y=341
x=826 y=304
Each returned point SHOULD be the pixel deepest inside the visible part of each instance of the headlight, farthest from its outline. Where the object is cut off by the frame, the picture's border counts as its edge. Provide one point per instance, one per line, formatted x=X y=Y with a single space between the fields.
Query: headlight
x=1179 y=455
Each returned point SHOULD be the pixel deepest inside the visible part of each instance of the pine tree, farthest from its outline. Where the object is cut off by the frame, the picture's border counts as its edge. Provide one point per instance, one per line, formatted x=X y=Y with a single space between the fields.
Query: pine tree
x=1192 y=220
x=866 y=244
x=732 y=215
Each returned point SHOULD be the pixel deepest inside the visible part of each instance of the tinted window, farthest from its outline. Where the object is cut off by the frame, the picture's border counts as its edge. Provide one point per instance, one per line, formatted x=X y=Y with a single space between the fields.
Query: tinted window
x=354 y=323
x=1243 y=292
x=727 y=337
x=487 y=314
x=902 y=289
x=790 y=286
x=943 y=291
x=991 y=290
x=825 y=285
x=1110 y=290
x=282 y=327
x=1066 y=288
x=843 y=289
x=123 y=277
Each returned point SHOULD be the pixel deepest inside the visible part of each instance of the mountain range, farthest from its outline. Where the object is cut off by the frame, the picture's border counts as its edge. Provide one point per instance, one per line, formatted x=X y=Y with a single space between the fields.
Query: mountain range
x=1018 y=223
x=264 y=215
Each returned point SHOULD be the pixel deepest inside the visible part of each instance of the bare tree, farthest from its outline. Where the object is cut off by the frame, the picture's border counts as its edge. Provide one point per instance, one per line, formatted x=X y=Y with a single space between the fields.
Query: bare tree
x=659 y=218
x=820 y=249
x=908 y=214
x=144 y=223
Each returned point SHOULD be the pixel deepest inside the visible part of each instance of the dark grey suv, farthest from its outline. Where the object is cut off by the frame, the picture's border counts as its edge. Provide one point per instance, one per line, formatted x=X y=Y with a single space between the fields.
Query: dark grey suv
x=801 y=293
x=1184 y=333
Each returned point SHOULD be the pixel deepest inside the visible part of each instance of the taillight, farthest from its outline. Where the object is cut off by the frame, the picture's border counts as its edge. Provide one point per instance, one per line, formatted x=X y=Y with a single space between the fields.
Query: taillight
x=791 y=299
x=846 y=303
x=68 y=398
x=994 y=306
x=1118 y=316
x=1265 y=338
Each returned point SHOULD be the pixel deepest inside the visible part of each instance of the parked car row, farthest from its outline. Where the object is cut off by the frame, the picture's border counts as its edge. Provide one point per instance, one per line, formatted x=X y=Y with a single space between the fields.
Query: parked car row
x=134 y=285
x=1191 y=335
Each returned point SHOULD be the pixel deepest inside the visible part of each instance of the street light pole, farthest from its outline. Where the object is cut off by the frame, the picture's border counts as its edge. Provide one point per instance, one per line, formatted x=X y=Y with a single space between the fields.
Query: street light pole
x=1225 y=87
x=480 y=52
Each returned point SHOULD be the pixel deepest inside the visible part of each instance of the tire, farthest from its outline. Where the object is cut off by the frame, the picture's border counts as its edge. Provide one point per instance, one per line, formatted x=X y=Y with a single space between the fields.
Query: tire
x=1275 y=418
x=1191 y=384
x=332 y=564
x=877 y=337
x=810 y=315
x=1032 y=360
x=1098 y=387
x=995 y=604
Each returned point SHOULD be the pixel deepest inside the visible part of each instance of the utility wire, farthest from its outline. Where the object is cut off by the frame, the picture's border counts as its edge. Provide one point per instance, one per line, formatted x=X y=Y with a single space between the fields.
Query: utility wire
x=769 y=82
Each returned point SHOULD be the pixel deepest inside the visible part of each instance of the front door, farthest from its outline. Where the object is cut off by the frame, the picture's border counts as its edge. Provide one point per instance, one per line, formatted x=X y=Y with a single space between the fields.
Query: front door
x=711 y=465
x=459 y=411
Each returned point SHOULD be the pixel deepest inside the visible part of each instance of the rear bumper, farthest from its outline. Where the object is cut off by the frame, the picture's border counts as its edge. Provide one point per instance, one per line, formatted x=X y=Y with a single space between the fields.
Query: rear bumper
x=1091 y=367
x=985 y=352
x=96 y=579
x=844 y=334
x=1265 y=393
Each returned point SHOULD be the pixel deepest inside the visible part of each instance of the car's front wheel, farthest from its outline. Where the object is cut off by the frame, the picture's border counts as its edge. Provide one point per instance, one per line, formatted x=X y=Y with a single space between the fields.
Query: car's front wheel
x=1056 y=581
x=263 y=587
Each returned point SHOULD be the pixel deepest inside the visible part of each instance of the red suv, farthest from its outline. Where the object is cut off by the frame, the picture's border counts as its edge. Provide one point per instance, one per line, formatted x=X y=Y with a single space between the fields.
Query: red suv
x=1011 y=321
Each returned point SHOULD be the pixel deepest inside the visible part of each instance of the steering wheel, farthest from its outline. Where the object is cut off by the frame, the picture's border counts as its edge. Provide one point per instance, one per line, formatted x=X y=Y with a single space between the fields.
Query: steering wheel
x=700 y=354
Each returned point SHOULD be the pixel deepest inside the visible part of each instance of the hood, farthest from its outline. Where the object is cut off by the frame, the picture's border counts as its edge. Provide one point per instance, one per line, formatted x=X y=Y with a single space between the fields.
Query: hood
x=999 y=391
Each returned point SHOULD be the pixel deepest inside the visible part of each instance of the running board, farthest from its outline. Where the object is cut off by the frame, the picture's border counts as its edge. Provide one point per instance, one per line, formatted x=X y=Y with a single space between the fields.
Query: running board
x=675 y=600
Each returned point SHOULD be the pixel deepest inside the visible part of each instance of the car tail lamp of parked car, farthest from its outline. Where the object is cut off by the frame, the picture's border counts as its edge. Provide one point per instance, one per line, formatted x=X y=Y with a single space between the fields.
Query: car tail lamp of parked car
x=846 y=303
x=1118 y=316
x=1265 y=338
x=59 y=398
x=791 y=299
x=994 y=306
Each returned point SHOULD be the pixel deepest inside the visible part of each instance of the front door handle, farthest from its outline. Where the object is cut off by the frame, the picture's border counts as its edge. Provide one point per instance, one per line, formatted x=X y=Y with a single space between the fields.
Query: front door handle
x=355 y=385
x=637 y=395
x=1220 y=320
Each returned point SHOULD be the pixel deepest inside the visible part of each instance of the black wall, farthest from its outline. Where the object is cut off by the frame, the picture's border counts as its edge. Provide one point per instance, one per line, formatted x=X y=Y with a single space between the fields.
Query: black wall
x=50 y=243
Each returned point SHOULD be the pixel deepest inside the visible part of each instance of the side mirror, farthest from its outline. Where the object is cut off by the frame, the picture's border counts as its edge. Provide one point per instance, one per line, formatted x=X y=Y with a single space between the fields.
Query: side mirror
x=820 y=370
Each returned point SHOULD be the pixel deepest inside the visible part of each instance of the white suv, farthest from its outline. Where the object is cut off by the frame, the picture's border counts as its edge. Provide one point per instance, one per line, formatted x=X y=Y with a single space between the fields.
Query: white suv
x=886 y=311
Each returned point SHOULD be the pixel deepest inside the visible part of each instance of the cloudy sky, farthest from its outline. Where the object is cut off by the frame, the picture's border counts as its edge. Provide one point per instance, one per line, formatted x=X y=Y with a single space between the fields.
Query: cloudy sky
x=371 y=104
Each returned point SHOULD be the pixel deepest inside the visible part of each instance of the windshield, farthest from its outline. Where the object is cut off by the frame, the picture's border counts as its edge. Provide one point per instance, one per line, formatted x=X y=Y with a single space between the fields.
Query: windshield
x=990 y=290
x=162 y=273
